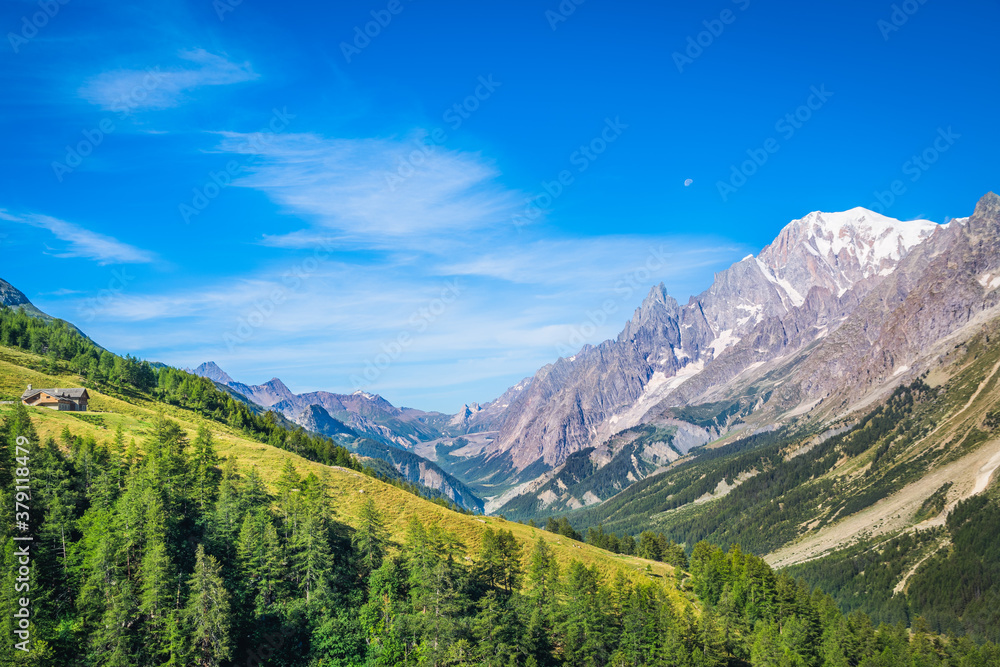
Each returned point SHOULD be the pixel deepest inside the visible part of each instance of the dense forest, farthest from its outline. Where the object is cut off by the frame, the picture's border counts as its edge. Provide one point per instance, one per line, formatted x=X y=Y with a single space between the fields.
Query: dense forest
x=160 y=553
x=956 y=588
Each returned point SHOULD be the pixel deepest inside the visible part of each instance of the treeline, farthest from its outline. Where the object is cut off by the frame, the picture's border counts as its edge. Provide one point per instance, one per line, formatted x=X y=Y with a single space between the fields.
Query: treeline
x=650 y=545
x=863 y=577
x=165 y=554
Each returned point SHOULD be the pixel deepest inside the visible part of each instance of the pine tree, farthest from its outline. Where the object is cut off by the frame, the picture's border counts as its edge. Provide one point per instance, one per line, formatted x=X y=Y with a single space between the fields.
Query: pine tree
x=259 y=554
x=205 y=462
x=370 y=538
x=156 y=579
x=499 y=562
x=312 y=559
x=584 y=628
x=207 y=615
x=169 y=458
x=227 y=514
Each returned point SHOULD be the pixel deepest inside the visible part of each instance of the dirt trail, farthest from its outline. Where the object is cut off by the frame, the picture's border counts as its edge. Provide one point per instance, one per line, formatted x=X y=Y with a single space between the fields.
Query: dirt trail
x=979 y=390
x=970 y=475
x=901 y=586
x=968 y=404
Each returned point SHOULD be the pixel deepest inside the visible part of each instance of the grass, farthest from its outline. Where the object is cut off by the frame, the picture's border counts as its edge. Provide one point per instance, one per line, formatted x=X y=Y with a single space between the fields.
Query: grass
x=348 y=488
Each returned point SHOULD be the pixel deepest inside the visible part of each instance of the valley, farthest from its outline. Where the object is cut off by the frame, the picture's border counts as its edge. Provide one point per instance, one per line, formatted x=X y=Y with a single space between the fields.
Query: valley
x=829 y=408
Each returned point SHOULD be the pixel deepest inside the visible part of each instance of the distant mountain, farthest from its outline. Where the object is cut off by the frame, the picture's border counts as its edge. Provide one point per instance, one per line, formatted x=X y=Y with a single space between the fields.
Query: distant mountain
x=811 y=277
x=365 y=423
x=419 y=470
x=315 y=418
x=595 y=474
x=12 y=297
x=212 y=371
x=361 y=412
x=835 y=313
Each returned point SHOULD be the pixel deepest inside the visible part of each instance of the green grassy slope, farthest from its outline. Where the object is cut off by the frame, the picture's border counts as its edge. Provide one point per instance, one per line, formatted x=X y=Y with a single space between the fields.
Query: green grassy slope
x=348 y=488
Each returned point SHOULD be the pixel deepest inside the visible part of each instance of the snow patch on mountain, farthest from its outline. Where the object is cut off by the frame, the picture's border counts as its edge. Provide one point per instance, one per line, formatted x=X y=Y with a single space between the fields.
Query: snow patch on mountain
x=878 y=242
x=990 y=281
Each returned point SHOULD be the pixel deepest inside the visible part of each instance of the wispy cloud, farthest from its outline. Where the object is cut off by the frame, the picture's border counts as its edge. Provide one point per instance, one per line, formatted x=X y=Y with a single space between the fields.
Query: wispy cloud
x=163 y=87
x=81 y=242
x=585 y=264
x=352 y=189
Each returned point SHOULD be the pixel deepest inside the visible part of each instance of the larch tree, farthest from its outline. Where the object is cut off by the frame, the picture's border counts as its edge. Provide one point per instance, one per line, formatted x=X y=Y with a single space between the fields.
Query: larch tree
x=207 y=614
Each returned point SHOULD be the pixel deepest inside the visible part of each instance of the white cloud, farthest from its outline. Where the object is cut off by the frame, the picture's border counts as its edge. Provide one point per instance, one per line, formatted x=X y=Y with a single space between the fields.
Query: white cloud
x=386 y=248
x=352 y=188
x=81 y=242
x=593 y=263
x=161 y=87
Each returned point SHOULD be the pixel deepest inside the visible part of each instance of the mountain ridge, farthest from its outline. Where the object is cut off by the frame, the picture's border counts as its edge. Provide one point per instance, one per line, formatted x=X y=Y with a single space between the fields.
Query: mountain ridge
x=664 y=343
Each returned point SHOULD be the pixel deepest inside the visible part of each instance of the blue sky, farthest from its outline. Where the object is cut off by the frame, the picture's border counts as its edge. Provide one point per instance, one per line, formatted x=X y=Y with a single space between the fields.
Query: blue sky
x=436 y=210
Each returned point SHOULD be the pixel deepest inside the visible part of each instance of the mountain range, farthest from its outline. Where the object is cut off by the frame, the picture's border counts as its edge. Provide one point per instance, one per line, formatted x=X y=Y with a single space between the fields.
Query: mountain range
x=831 y=404
x=831 y=317
x=837 y=311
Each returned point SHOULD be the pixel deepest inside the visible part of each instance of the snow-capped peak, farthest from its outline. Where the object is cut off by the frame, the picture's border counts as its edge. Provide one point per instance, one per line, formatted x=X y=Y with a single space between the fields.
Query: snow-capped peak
x=874 y=239
x=836 y=250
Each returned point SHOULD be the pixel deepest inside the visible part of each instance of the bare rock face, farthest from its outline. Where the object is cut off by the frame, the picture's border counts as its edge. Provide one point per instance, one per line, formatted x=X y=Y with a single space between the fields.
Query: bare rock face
x=314 y=418
x=800 y=288
x=936 y=290
x=11 y=296
x=267 y=395
x=477 y=418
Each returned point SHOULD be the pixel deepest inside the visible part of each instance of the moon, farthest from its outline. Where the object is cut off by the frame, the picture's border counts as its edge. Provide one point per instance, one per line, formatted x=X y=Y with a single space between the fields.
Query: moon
x=688 y=183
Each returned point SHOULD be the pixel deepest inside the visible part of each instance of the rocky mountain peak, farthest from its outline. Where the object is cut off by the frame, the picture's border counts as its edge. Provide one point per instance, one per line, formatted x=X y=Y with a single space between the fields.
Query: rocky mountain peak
x=837 y=250
x=11 y=296
x=212 y=371
x=657 y=308
x=988 y=207
x=761 y=307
